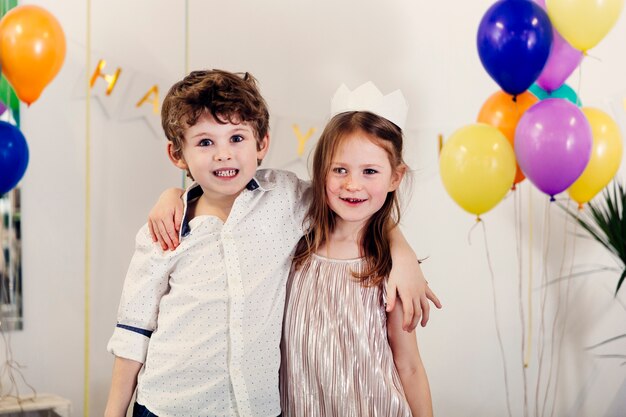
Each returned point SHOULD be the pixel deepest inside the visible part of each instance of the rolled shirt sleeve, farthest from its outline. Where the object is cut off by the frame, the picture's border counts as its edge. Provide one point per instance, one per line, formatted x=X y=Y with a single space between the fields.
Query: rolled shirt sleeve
x=147 y=281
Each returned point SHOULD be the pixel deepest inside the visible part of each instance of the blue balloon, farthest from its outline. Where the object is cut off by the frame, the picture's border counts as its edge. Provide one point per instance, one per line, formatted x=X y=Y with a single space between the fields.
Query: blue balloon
x=514 y=40
x=13 y=156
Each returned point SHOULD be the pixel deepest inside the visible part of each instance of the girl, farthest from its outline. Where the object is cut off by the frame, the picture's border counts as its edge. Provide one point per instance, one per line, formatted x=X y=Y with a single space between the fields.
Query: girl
x=342 y=355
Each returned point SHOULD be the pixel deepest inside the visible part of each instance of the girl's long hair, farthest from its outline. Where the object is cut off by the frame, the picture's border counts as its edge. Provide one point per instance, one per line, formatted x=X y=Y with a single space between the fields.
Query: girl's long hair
x=374 y=238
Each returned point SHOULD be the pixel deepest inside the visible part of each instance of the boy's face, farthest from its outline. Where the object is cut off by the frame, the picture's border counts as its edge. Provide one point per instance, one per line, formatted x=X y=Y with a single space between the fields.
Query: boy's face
x=222 y=158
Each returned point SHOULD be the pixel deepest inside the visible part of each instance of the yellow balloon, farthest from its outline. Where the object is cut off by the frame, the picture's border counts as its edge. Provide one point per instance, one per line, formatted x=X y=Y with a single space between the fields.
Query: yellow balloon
x=583 y=23
x=477 y=166
x=606 y=156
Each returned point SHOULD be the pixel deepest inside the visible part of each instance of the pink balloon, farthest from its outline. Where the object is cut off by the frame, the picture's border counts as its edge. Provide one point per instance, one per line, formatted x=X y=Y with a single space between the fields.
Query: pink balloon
x=553 y=144
x=562 y=61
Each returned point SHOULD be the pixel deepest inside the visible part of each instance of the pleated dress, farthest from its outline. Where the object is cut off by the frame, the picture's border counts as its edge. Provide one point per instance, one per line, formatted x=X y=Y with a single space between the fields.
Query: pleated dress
x=335 y=355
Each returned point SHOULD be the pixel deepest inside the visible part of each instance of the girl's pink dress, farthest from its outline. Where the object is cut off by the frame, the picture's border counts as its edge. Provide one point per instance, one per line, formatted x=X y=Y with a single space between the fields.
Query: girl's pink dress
x=336 y=359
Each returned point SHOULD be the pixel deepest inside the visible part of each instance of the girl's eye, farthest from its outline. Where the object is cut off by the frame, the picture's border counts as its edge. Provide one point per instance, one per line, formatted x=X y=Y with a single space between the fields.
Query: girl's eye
x=339 y=170
x=370 y=171
x=205 y=142
x=236 y=138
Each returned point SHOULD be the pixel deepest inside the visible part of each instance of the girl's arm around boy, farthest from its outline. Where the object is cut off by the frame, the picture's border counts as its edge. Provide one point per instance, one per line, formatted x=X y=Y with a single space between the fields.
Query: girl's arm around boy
x=407 y=280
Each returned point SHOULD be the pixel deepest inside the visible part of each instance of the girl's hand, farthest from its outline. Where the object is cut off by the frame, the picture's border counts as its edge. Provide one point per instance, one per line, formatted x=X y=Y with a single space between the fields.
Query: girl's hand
x=165 y=218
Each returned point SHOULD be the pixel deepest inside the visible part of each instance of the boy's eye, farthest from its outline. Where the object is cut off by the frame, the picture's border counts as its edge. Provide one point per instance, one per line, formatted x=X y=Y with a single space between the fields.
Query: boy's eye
x=236 y=138
x=339 y=170
x=370 y=171
x=205 y=142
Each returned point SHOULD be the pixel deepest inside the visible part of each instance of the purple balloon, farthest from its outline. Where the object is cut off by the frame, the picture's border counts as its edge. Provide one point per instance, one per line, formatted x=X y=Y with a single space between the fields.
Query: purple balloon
x=553 y=144
x=562 y=61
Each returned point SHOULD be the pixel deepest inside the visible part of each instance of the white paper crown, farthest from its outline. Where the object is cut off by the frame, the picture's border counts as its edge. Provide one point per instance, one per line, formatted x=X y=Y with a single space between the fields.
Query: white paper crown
x=367 y=97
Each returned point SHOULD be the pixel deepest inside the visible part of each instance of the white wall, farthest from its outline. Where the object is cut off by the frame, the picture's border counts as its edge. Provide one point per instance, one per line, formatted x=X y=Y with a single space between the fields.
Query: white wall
x=301 y=51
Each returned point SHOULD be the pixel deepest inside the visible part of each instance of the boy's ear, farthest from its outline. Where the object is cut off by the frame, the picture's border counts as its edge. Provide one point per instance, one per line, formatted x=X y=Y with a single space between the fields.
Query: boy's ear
x=176 y=160
x=396 y=177
x=262 y=147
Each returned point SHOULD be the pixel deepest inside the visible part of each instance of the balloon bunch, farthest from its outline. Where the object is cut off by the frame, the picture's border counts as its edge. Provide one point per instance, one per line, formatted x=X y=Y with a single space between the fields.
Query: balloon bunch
x=535 y=120
x=32 y=50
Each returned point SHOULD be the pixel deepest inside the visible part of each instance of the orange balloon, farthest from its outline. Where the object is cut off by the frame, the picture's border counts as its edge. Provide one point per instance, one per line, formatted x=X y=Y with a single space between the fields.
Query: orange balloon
x=501 y=112
x=32 y=50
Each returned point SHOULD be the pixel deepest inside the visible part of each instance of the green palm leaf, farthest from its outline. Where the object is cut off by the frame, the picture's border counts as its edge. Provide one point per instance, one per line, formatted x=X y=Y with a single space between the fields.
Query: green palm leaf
x=605 y=220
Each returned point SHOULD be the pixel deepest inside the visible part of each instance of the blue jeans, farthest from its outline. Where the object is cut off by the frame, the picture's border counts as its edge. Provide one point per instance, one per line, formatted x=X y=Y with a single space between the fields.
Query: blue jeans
x=141 y=411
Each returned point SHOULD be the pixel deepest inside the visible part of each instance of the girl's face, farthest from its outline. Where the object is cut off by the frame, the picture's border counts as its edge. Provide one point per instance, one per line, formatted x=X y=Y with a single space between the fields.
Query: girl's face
x=359 y=179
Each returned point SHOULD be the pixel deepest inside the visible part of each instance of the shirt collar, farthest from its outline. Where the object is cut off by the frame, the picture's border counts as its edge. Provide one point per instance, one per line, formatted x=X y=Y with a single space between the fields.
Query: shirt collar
x=261 y=182
x=194 y=191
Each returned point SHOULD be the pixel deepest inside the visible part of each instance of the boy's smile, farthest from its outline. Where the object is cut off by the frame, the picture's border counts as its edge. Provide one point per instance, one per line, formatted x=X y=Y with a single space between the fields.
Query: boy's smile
x=226 y=173
x=222 y=158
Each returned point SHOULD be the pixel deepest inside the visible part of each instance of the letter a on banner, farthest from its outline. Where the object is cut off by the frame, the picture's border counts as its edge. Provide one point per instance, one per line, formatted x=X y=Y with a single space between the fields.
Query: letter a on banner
x=154 y=92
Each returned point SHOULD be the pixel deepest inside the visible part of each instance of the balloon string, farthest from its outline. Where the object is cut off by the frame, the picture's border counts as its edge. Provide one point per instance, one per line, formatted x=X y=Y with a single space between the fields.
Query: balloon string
x=517 y=204
x=556 y=315
x=495 y=316
x=87 y=216
x=565 y=313
x=597 y=58
x=544 y=293
x=469 y=234
x=530 y=278
x=12 y=370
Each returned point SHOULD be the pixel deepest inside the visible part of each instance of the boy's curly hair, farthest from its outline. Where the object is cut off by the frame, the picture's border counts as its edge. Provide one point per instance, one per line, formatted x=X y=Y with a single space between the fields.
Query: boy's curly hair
x=228 y=97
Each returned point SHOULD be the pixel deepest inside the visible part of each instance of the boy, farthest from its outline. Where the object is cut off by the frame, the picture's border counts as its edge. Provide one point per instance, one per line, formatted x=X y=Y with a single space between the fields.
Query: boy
x=199 y=327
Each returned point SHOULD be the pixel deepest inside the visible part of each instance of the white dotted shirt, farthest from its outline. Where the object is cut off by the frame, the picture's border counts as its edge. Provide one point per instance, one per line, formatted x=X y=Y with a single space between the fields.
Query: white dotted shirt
x=205 y=319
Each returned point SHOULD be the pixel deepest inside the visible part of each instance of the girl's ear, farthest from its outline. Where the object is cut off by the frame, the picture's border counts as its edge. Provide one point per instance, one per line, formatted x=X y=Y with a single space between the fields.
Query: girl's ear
x=396 y=177
x=177 y=160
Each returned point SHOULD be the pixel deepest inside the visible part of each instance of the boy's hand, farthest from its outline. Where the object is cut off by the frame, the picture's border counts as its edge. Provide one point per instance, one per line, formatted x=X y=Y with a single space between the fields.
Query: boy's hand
x=165 y=218
x=407 y=280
